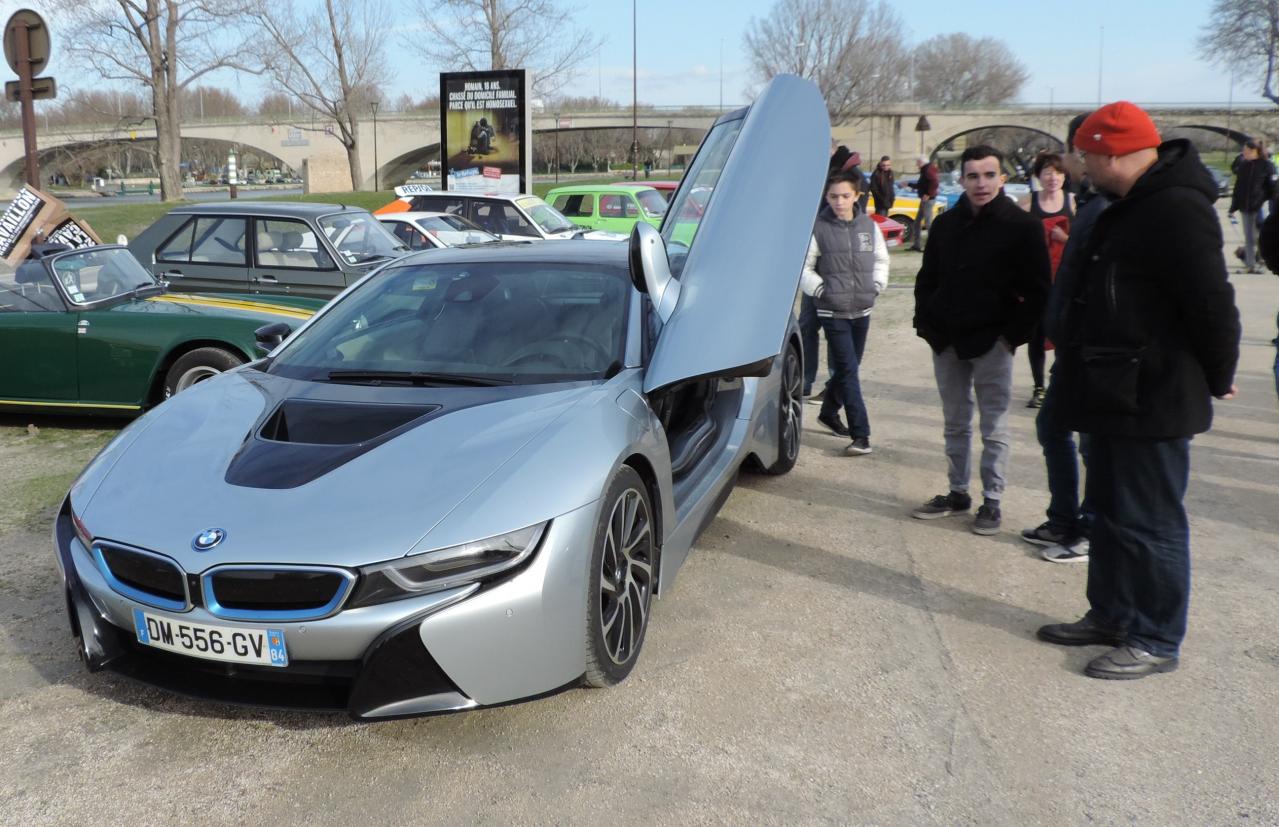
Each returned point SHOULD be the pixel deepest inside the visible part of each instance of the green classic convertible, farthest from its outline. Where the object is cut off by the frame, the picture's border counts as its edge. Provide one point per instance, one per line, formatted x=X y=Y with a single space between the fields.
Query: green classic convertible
x=90 y=331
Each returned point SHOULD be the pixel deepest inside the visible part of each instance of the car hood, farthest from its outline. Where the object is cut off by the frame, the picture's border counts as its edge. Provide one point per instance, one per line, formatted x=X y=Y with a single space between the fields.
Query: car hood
x=172 y=476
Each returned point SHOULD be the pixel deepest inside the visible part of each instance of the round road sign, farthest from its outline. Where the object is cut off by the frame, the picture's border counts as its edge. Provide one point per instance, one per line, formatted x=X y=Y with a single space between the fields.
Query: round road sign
x=39 y=40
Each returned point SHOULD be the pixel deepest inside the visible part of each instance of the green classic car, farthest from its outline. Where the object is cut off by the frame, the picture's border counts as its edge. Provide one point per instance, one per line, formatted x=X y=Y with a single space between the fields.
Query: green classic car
x=91 y=331
x=613 y=207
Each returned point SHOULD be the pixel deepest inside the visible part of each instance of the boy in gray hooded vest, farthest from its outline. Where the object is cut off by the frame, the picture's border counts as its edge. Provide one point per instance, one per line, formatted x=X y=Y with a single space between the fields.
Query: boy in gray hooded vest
x=846 y=269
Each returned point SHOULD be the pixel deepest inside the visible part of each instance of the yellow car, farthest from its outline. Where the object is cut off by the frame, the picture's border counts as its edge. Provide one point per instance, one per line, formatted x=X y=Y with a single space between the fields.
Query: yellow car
x=905 y=210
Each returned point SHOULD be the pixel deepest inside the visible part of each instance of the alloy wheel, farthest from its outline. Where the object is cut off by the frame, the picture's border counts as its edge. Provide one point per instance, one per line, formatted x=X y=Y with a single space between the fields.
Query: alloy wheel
x=626 y=576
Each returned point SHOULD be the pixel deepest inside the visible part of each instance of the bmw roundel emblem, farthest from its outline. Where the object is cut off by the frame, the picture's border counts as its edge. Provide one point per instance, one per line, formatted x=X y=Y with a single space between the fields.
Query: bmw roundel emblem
x=208 y=539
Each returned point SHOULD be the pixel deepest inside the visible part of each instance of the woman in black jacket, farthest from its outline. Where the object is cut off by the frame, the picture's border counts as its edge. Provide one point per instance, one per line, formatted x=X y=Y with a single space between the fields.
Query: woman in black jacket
x=1253 y=189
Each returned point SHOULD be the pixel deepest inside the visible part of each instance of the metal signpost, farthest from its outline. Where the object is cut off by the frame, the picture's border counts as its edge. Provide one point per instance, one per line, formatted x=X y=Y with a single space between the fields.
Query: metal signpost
x=26 y=48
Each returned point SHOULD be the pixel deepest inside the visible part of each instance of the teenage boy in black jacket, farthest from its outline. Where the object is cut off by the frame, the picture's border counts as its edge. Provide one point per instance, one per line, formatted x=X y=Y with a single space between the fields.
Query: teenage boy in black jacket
x=979 y=295
x=1152 y=336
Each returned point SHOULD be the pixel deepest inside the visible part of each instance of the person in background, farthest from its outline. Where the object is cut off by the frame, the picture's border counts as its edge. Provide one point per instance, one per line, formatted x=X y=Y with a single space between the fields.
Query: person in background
x=1055 y=207
x=978 y=295
x=1268 y=244
x=846 y=269
x=881 y=186
x=926 y=187
x=1152 y=337
x=1064 y=535
x=1254 y=189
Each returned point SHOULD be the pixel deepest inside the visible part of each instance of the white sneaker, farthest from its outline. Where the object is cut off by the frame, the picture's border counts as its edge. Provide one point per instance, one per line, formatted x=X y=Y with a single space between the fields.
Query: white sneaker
x=1077 y=552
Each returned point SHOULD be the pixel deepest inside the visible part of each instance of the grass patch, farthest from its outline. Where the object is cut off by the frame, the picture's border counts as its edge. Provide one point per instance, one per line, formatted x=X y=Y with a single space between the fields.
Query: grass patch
x=31 y=501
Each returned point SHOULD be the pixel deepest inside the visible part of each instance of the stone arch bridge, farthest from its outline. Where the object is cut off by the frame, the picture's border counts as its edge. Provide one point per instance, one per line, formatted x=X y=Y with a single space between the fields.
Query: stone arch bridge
x=405 y=142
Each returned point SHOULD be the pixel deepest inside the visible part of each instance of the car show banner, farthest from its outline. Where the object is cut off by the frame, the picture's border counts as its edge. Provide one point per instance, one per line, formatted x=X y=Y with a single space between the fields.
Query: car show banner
x=34 y=216
x=486 y=132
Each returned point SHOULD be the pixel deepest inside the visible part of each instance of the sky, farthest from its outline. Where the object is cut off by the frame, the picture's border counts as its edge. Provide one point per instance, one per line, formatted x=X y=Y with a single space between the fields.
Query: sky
x=1147 y=49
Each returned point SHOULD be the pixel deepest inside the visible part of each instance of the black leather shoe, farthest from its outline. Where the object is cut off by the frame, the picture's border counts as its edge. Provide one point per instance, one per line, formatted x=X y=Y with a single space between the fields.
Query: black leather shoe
x=1082 y=632
x=1128 y=663
x=833 y=424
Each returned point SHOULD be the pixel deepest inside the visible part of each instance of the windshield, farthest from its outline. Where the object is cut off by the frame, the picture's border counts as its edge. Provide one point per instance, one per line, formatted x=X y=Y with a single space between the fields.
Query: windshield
x=359 y=237
x=652 y=202
x=97 y=273
x=684 y=213
x=508 y=321
x=545 y=216
x=454 y=229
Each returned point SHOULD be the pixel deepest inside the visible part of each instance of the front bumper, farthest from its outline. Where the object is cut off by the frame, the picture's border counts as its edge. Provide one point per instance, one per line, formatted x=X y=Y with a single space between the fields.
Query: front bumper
x=506 y=640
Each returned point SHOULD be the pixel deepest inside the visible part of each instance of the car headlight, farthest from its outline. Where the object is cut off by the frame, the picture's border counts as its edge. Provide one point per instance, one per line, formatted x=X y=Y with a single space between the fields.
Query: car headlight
x=446 y=568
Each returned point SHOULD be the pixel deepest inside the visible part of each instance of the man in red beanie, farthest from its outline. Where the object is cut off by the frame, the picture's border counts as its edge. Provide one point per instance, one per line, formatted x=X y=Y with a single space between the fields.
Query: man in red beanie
x=1150 y=337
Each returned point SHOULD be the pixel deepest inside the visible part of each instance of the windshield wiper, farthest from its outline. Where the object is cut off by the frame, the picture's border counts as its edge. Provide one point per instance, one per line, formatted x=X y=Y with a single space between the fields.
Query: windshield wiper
x=377 y=377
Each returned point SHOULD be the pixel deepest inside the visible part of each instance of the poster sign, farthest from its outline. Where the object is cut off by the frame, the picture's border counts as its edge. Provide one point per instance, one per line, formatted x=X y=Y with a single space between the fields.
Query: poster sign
x=486 y=131
x=35 y=216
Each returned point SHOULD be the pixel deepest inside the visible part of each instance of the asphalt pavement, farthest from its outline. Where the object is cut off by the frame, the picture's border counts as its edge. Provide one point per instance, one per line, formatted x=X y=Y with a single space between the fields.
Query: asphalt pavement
x=822 y=659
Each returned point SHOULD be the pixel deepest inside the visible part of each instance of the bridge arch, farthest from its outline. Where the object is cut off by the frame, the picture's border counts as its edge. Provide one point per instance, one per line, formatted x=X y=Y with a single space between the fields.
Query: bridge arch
x=1019 y=143
x=84 y=156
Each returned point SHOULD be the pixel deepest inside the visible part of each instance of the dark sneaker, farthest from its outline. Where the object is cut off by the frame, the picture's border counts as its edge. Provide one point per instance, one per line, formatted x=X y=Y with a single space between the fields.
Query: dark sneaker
x=833 y=424
x=1128 y=663
x=1083 y=632
x=943 y=505
x=1074 y=552
x=987 y=520
x=817 y=398
x=860 y=446
x=1044 y=535
x=1036 y=398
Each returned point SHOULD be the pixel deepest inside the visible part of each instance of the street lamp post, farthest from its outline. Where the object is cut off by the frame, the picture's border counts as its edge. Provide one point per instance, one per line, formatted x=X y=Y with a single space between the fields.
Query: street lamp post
x=373 y=105
x=557 y=147
x=634 y=96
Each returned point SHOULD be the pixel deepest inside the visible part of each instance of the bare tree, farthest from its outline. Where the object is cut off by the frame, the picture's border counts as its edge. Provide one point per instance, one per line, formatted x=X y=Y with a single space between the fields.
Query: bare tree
x=852 y=50
x=959 y=69
x=164 y=46
x=330 y=59
x=478 y=35
x=210 y=102
x=1243 y=35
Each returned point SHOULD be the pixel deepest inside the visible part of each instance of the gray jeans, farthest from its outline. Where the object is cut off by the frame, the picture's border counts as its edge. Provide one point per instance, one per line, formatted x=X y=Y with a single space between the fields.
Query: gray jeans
x=990 y=376
x=1251 y=222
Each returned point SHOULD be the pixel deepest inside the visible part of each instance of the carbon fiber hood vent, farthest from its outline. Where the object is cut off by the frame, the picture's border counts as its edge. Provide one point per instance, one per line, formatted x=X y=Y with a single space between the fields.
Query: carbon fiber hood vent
x=303 y=439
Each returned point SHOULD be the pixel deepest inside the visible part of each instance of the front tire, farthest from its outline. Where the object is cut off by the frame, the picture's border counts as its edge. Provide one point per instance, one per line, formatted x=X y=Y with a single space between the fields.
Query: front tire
x=196 y=366
x=790 y=414
x=620 y=589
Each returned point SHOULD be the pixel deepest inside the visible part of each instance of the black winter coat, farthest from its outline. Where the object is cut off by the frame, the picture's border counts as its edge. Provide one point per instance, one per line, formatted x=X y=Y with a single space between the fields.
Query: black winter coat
x=881 y=188
x=983 y=277
x=1253 y=185
x=1154 y=333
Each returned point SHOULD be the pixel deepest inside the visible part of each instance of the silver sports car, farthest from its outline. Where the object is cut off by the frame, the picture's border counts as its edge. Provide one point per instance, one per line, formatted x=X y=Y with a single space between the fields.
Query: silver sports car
x=463 y=482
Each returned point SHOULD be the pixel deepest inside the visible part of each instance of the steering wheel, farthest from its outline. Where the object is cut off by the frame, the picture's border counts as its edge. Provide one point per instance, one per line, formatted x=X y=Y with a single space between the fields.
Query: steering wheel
x=543 y=348
x=228 y=245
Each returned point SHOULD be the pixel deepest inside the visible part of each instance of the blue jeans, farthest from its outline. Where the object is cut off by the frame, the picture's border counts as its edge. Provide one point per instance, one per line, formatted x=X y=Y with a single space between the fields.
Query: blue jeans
x=1065 y=513
x=845 y=344
x=1139 y=564
x=808 y=340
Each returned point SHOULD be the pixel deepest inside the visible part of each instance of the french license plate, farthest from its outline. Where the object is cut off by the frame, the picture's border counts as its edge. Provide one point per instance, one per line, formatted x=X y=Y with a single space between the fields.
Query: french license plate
x=259 y=646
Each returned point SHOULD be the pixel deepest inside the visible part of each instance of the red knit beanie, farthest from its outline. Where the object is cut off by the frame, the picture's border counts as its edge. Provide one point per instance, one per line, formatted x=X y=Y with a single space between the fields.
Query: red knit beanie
x=1117 y=129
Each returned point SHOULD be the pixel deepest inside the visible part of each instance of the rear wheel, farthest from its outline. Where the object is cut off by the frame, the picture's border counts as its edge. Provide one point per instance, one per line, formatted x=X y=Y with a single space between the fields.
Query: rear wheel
x=196 y=366
x=620 y=591
x=790 y=413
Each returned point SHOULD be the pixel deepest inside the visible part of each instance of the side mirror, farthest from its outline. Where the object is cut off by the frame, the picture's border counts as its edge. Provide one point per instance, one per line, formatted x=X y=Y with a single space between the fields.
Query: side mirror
x=651 y=270
x=269 y=336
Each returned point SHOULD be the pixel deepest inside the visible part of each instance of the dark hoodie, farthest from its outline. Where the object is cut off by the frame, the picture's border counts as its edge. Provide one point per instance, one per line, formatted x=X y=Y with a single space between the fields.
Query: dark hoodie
x=984 y=276
x=1155 y=333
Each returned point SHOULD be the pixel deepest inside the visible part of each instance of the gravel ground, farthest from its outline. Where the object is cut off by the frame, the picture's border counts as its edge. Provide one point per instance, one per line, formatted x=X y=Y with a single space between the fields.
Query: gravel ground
x=823 y=659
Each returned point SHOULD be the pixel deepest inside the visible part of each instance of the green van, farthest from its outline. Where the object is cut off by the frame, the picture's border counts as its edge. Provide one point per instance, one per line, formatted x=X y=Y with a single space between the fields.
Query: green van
x=614 y=207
